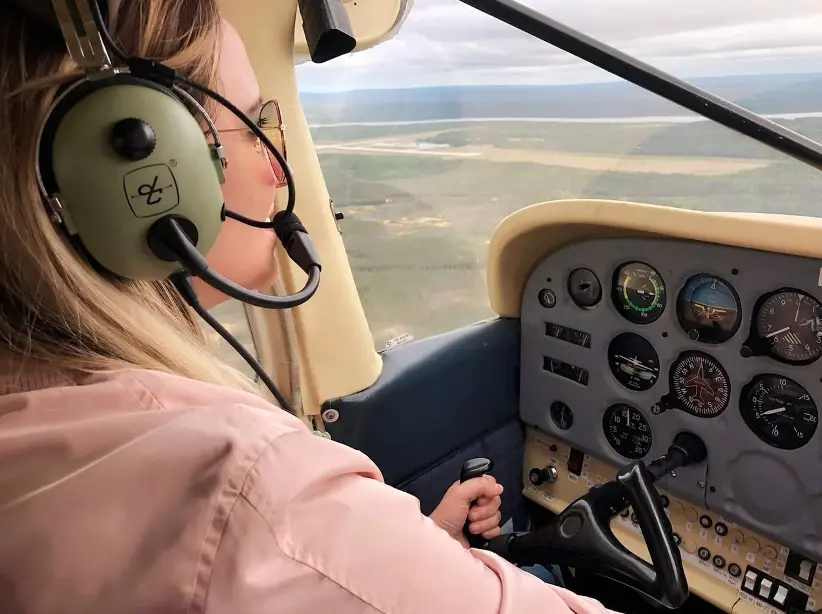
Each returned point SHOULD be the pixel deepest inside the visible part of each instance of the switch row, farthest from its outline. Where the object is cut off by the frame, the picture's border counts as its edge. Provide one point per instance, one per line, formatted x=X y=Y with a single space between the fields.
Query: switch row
x=773 y=592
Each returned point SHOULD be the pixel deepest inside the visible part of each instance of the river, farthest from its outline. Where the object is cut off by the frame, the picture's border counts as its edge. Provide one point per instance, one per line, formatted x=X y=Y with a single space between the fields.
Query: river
x=662 y=119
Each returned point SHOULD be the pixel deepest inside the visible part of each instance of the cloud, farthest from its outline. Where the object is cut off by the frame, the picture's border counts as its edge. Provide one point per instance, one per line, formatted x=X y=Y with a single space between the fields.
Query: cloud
x=445 y=42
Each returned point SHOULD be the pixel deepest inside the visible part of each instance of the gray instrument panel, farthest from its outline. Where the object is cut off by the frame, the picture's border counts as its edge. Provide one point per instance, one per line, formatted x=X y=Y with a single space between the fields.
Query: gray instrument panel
x=776 y=492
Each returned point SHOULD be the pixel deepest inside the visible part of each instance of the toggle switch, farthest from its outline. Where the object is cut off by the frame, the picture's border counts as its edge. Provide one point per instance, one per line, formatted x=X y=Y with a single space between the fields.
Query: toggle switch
x=800 y=568
x=781 y=595
x=750 y=580
x=765 y=588
x=805 y=570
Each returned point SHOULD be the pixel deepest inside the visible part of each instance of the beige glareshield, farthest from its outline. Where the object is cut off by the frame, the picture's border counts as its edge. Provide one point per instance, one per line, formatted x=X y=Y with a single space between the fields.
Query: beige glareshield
x=373 y=22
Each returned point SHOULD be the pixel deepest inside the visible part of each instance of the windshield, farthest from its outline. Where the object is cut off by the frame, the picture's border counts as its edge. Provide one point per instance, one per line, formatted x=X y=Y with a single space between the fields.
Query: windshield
x=430 y=139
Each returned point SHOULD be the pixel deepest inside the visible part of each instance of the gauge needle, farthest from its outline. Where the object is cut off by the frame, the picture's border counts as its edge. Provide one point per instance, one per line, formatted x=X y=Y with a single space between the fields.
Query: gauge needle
x=777 y=332
x=634 y=361
x=773 y=411
x=798 y=306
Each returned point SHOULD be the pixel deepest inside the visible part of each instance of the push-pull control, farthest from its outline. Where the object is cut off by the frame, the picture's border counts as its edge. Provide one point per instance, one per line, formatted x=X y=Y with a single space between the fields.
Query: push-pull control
x=545 y=475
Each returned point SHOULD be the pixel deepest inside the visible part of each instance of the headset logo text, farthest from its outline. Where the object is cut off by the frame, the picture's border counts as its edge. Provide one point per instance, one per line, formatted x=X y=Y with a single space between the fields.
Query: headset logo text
x=151 y=190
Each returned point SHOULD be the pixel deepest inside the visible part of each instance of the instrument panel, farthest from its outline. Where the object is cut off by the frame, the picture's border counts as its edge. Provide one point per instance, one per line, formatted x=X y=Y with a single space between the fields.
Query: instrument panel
x=628 y=341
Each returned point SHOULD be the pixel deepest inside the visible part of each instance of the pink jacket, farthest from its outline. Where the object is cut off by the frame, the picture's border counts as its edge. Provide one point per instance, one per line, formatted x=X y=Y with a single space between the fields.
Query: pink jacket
x=139 y=492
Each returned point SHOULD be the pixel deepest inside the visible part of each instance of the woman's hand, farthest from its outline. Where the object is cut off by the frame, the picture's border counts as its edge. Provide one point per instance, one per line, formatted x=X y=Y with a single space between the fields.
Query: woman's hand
x=485 y=516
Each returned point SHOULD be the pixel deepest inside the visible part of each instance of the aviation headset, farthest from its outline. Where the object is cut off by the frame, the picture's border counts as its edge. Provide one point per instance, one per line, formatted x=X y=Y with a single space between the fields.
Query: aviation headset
x=125 y=169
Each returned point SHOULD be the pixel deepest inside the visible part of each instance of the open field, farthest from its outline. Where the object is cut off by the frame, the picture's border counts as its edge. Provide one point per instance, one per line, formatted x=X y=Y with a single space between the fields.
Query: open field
x=594 y=162
x=422 y=204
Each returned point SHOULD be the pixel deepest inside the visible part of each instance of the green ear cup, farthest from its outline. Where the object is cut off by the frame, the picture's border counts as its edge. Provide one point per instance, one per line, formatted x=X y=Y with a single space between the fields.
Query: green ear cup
x=110 y=202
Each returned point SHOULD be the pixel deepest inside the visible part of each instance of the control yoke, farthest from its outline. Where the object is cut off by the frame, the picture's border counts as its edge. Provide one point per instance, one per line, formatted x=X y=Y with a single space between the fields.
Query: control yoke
x=581 y=536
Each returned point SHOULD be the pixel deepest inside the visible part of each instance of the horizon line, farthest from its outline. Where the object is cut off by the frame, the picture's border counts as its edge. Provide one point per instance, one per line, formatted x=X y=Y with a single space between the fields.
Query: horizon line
x=548 y=85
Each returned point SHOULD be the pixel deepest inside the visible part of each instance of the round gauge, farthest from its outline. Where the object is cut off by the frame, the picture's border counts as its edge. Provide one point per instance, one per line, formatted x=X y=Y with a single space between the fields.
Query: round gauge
x=708 y=309
x=584 y=287
x=633 y=361
x=700 y=384
x=638 y=292
x=627 y=431
x=790 y=322
x=562 y=415
x=779 y=411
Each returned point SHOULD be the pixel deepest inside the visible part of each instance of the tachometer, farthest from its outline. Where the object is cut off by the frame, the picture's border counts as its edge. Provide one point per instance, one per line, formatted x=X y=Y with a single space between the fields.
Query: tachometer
x=790 y=322
x=779 y=411
x=700 y=384
x=633 y=361
x=638 y=292
x=708 y=309
x=627 y=431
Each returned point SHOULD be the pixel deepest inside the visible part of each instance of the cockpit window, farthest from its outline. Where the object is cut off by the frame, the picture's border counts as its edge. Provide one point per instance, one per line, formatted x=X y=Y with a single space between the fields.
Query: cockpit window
x=430 y=139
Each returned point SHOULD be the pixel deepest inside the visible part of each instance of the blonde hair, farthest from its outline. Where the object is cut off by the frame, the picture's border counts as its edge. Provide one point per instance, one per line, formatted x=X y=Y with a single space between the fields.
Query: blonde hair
x=55 y=309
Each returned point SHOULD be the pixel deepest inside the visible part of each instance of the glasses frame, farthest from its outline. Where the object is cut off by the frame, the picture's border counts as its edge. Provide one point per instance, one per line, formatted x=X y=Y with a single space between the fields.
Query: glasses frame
x=268 y=109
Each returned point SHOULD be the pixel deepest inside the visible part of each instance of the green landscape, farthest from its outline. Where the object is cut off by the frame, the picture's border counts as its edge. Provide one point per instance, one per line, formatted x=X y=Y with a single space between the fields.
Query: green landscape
x=417 y=225
x=423 y=178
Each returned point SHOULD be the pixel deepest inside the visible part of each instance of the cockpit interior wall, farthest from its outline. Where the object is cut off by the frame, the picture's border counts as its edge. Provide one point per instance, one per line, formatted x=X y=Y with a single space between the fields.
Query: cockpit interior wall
x=439 y=402
x=336 y=348
x=434 y=396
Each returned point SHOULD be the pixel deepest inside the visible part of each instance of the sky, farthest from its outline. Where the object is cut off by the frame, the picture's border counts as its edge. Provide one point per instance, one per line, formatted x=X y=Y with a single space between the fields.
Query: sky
x=445 y=42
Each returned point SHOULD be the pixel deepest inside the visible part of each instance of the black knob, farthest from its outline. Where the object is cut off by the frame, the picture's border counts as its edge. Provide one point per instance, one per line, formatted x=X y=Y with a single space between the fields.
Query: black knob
x=537 y=476
x=706 y=521
x=474 y=468
x=133 y=139
x=691 y=446
x=547 y=298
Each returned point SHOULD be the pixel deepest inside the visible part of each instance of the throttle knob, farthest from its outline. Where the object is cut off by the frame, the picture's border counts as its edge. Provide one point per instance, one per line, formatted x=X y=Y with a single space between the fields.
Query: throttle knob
x=133 y=139
x=474 y=468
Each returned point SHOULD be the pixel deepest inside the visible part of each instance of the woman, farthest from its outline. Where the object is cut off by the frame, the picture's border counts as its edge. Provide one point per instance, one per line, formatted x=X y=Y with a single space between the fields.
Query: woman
x=140 y=474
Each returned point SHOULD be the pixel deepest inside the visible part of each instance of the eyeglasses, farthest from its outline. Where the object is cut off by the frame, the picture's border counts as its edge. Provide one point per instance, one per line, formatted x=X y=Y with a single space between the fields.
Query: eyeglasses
x=270 y=122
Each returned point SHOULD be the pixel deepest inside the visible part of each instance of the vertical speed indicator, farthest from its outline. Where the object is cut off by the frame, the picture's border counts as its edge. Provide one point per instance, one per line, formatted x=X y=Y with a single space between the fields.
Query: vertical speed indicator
x=638 y=292
x=779 y=411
